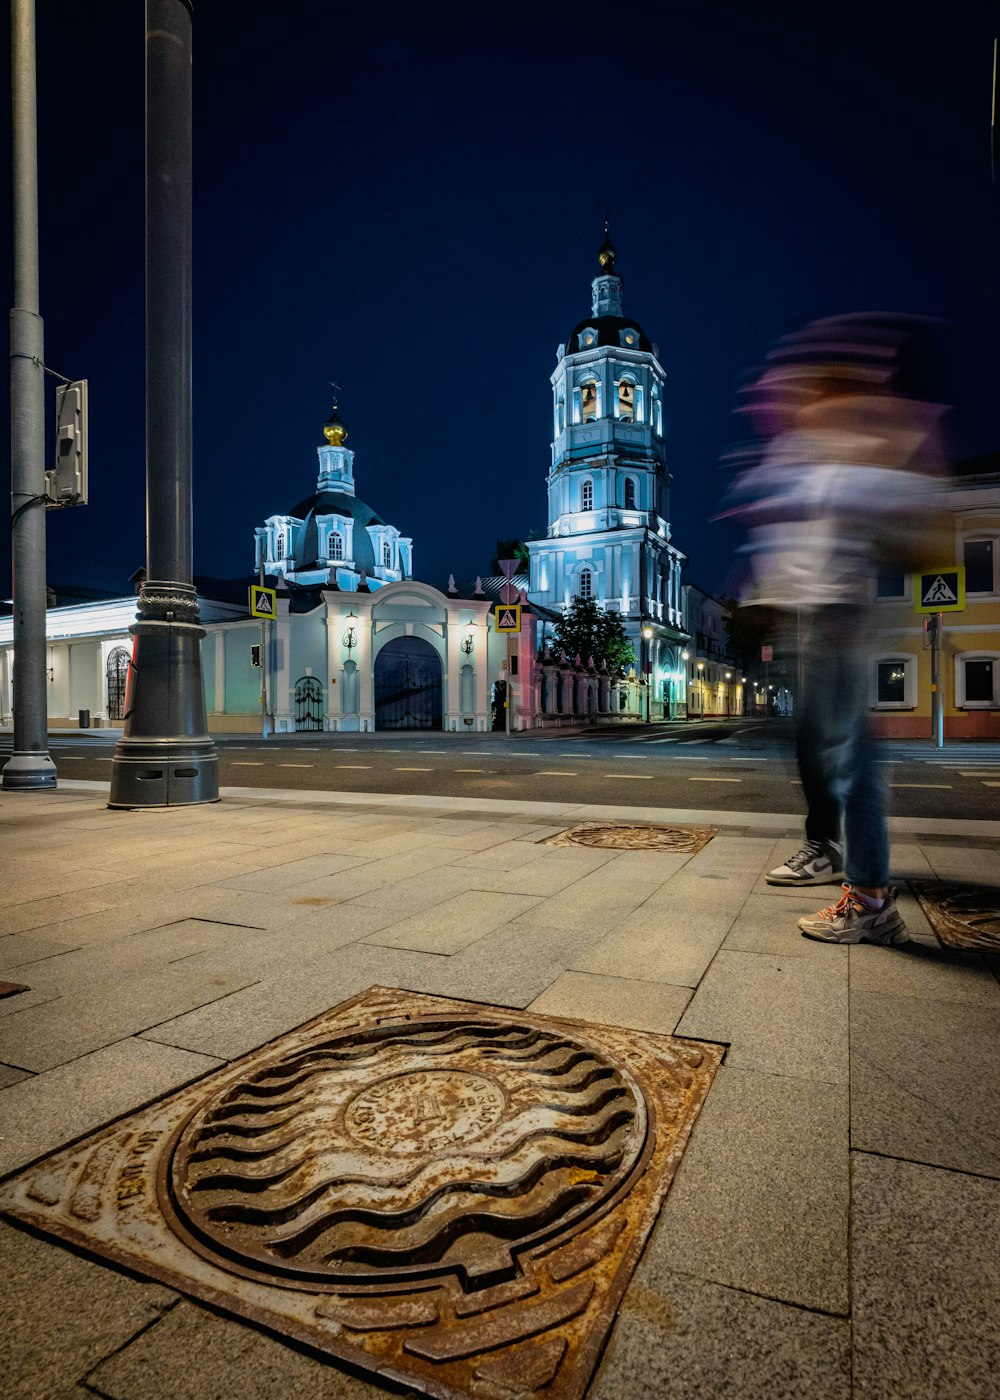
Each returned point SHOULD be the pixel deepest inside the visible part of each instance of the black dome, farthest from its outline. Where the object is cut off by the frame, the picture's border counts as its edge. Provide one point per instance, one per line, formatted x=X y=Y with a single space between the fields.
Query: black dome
x=608 y=330
x=335 y=503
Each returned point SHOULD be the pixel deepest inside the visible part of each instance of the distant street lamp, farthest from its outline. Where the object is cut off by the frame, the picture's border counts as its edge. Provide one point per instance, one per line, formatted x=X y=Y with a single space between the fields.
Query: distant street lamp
x=701 y=689
x=686 y=657
x=647 y=666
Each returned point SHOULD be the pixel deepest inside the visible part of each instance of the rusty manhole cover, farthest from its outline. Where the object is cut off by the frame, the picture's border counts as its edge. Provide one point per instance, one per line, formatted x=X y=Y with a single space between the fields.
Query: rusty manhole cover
x=962 y=916
x=449 y=1195
x=622 y=837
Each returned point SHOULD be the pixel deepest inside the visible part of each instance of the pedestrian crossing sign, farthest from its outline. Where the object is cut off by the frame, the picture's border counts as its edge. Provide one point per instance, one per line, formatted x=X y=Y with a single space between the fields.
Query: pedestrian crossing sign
x=507 y=617
x=262 y=601
x=941 y=590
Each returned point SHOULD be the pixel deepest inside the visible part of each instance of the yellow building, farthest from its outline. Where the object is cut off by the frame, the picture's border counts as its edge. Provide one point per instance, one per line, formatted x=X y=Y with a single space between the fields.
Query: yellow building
x=900 y=668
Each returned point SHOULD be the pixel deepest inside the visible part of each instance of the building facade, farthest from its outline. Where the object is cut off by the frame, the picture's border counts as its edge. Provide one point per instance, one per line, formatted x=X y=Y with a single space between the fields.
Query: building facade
x=608 y=535
x=899 y=678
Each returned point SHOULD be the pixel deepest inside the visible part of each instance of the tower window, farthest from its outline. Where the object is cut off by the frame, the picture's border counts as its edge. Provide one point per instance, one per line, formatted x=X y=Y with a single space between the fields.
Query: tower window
x=657 y=412
x=590 y=401
x=386 y=555
x=629 y=493
x=335 y=548
x=587 y=496
x=629 y=338
x=625 y=408
x=586 y=583
x=279 y=546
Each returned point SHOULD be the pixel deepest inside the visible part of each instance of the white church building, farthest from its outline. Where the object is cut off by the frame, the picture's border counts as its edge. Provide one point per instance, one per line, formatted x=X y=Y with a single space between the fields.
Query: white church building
x=357 y=644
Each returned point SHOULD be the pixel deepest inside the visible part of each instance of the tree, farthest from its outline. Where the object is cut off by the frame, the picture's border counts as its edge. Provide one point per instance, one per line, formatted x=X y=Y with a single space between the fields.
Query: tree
x=593 y=633
x=511 y=549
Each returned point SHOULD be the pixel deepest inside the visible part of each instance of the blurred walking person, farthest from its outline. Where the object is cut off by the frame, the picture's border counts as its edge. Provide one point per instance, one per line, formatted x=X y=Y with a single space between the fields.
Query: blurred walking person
x=844 y=487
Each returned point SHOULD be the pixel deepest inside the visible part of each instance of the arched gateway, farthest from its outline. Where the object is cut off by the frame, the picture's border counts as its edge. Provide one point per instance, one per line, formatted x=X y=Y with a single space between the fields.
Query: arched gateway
x=407 y=685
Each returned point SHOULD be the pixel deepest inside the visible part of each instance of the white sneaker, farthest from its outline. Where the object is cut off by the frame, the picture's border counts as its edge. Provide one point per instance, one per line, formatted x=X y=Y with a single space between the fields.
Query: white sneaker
x=817 y=863
x=850 y=920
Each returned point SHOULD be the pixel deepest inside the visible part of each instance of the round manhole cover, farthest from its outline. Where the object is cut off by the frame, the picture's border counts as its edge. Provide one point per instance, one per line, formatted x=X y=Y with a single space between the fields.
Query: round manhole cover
x=409 y=1149
x=621 y=837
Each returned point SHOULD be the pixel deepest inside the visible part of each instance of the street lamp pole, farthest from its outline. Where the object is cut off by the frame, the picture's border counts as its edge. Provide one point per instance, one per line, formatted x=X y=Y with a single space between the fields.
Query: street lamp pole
x=165 y=757
x=647 y=664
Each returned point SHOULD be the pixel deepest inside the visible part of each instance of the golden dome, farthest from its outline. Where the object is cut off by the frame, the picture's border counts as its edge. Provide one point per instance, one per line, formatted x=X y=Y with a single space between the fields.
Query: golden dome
x=334 y=430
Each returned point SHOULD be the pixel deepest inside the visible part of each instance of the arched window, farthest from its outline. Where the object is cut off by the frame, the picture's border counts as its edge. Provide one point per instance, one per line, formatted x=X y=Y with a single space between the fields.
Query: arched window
x=336 y=546
x=625 y=405
x=590 y=401
x=587 y=496
x=586 y=583
x=386 y=555
x=657 y=412
x=629 y=493
x=279 y=545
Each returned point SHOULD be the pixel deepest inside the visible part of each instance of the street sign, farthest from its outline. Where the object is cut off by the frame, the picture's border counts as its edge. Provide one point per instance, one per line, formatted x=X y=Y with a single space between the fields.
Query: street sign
x=262 y=602
x=507 y=618
x=941 y=590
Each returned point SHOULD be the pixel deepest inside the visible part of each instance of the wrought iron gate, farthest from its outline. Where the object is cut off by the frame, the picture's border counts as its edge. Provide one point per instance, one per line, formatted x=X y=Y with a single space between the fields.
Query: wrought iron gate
x=407 y=687
x=308 y=703
x=117 y=672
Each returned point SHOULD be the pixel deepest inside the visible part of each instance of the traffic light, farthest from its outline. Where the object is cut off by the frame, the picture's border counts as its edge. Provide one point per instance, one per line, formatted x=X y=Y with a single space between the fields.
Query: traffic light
x=66 y=483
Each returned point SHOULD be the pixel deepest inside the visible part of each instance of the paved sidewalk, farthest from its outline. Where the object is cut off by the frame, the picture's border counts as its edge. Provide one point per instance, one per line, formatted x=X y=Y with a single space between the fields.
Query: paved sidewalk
x=832 y=1228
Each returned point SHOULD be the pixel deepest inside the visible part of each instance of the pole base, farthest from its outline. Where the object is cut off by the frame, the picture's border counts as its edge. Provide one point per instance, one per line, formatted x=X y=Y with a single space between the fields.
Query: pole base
x=29 y=772
x=172 y=775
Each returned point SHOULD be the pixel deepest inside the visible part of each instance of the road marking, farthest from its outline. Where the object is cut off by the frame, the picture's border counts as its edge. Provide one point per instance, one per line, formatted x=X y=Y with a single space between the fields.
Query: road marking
x=589 y=757
x=636 y=777
x=991 y=784
x=947 y=786
x=248 y=763
x=352 y=765
x=715 y=780
x=414 y=770
x=472 y=770
x=553 y=773
x=296 y=765
x=987 y=773
x=476 y=753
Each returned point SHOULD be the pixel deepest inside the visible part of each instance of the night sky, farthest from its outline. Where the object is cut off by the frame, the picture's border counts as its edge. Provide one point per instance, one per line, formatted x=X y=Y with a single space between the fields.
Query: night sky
x=410 y=202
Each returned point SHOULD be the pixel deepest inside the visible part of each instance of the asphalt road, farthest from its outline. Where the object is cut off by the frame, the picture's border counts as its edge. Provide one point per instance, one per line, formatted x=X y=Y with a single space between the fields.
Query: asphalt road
x=737 y=765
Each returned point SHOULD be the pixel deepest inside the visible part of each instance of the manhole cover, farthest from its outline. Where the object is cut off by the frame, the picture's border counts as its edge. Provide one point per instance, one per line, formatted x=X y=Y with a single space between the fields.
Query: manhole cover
x=620 y=837
x=962 y=916
x=452 y=1196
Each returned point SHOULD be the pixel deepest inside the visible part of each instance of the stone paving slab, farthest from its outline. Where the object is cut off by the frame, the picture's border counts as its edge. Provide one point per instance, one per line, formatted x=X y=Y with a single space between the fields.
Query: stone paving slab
x=931 y=973
x=44 y=1111
x=61 y=1030
x=454 y=923
x=781 y=1015
x=761 y=1196
x=60 y=1315
x=614 y=1001
x=924 y=1078
x=658 y=945
x=190 y=1354
x=682 y=1338
x=9 y=1075
x=925 y=1278
x=769 y=925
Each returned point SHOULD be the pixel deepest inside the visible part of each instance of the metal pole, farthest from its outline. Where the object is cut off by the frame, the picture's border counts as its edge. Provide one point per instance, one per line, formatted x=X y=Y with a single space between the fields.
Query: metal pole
x=937 y=699
x=165 y=757
x=30 y=768
x=263 y=658
x=507 y=689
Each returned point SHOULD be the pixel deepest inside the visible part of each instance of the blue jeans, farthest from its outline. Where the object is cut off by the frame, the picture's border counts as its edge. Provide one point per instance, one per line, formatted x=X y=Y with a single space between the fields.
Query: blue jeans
x=838 y=757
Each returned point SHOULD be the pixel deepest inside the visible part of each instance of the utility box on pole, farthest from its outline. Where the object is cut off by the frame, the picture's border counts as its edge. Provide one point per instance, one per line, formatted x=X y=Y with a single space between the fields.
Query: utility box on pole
x=66 y=483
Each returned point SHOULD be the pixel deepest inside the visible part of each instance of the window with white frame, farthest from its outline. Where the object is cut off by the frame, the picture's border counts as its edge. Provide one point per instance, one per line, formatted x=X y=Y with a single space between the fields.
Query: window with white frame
x=977 y=680
x=980 y=559
x=586 y=589
x=629 y=497
x=279 y=545
x=335 y=546
x=625 y=399
x=590 y=401
x=894 y=682
x=890 y=583
x=386 y=555
x=587 y=495
x=657 y=411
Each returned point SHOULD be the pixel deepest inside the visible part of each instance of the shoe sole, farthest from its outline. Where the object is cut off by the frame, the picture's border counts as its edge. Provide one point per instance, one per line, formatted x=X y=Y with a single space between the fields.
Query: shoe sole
x=837 y=878
x=894 y=940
